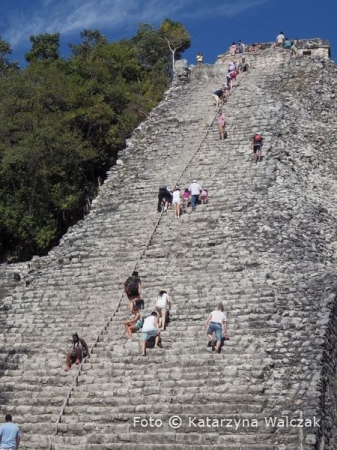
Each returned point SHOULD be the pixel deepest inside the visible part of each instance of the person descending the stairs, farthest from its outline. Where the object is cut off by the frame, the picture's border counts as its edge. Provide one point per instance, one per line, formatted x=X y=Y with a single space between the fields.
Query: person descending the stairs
x=195 y=190
x=256 y=145
x=79 y=352
x=9 y=434
x=216 y=323
x=150 y=329
x=164 y=195
x=221 y=124
x=163 y=306
x=132 y=289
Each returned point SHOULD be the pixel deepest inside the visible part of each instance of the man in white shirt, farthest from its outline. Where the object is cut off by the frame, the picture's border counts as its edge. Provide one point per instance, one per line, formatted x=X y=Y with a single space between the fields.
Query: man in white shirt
x=195 y=190
x=214 y=323
x=280 y=39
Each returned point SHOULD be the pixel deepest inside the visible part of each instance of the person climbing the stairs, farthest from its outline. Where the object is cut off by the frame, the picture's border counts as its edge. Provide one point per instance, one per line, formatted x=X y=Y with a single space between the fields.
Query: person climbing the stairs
x=163 y=306
x=218 y=96
x=133 y=324
x=256 y=145
x=216 y=323
x=132 y=289
x=80 y=351
x=176 y=201
x=150 y=329
x=195 y=190
x=165 y=195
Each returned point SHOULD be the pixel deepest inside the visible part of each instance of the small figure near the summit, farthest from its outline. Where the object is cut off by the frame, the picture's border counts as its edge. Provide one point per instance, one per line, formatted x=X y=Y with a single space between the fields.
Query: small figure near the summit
x=256 y=145
x=243 y=65
x=232 y=49
x=293 y=49
x=287 y=43
x=200 y=58
x=240 y=47
x=280 y=38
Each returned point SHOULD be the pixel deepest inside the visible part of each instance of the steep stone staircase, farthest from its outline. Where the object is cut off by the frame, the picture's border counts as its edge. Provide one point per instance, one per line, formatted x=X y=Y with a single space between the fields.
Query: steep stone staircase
x=226 y=251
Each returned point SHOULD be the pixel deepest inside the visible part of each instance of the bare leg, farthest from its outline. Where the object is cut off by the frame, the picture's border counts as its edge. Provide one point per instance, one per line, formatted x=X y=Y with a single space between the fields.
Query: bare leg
x=143 y=348
x=163 y=319
x=156 y=341
x=68 y=361
x=217 y=346
x=78 y=356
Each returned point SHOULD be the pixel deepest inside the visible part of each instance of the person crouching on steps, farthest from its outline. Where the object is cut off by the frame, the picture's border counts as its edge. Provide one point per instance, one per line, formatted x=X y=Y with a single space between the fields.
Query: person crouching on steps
x=79 y=352
x=214 y=323
x=150 y=328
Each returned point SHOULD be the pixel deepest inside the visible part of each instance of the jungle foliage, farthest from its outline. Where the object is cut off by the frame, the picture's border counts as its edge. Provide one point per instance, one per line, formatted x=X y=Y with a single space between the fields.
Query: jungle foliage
x=62 y=122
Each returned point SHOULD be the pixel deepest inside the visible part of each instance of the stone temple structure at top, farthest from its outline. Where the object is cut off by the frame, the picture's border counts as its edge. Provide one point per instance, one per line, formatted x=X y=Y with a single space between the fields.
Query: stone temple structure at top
x=265 y=245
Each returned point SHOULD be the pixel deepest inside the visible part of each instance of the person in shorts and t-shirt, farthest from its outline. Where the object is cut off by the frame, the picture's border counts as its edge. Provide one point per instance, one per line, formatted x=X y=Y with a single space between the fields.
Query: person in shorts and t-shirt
x=9 y=434
x=214 y=323
x=163 y=304
x=150 y=328
x=176 y=202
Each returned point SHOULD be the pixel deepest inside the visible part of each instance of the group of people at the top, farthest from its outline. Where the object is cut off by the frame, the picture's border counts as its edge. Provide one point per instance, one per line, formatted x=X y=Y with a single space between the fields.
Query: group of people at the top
x=192 y=195
x=284 y=42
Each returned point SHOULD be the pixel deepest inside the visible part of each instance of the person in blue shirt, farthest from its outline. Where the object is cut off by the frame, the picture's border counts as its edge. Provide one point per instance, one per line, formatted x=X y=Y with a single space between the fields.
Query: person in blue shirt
x=9 y=434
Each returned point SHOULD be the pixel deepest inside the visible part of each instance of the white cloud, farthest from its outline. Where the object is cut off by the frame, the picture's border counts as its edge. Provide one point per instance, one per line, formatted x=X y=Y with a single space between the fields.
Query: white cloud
x=73 y=16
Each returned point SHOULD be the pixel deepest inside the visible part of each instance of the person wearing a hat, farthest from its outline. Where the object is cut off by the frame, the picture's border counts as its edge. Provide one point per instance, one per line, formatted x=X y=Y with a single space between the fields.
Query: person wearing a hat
x=195 y=190
x=216 y=323
x=163 y=305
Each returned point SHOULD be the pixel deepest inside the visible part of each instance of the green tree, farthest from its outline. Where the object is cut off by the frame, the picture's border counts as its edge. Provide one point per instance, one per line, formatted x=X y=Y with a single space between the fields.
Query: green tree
x=44 y=47
x=177 y=37
x=6 y=66
x=90 y=40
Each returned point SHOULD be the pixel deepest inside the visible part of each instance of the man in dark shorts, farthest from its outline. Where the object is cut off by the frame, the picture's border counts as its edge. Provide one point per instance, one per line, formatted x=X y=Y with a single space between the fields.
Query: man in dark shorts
x=164 y=194
x=256 y=145
x=218 y=96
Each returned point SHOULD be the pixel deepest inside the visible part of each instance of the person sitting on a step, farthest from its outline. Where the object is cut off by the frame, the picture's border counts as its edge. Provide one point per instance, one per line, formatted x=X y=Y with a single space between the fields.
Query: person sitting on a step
x=164 y=195
x=79 y=352
x=214 y=324
x=132 y=289
x=150 y=329
x=243 y=66
x=133 y=324
x=163 y=306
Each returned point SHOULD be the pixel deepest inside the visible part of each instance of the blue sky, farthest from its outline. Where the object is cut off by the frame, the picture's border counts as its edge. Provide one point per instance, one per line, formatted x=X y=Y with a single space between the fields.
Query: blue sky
x=213 y=24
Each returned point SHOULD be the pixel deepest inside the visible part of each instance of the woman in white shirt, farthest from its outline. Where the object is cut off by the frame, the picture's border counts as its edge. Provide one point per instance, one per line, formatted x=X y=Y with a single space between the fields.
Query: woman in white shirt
x=163 y=304
x=214 y=323
x=176 y=202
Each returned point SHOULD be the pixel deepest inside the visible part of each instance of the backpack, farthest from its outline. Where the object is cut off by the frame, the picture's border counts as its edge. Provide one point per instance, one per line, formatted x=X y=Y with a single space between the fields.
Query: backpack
x=131 y=286
x=257 y=138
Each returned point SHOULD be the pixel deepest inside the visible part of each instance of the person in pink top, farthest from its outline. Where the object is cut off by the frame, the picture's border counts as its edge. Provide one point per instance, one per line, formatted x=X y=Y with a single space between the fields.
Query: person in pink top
x=186 y=198
x=221 y=125
x=204 y=196
x=232 y=49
